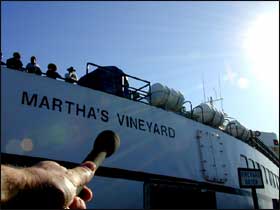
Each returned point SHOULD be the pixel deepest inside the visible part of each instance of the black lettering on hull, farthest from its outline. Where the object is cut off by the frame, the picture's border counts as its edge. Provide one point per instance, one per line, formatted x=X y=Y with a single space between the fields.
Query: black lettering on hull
x=121 y=119
x=44 y=102
x=81 y=110
x=57 y=103
x=104 y=116
x=69 y=106
x=90 y=112
x=25 y=99
x=171 y=132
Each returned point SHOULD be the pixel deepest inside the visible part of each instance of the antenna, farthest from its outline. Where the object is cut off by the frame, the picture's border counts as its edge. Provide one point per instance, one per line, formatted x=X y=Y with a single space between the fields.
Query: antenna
x=203 y=89
x=210 y=99
x=215 y=93
x=220 y=93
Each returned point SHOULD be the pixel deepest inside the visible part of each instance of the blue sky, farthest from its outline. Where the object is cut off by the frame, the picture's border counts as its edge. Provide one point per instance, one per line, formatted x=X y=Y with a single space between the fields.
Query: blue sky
x=174 y=43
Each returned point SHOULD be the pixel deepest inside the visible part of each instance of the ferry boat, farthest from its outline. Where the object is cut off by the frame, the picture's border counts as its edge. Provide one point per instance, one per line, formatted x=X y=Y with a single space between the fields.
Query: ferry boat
x=172 y=154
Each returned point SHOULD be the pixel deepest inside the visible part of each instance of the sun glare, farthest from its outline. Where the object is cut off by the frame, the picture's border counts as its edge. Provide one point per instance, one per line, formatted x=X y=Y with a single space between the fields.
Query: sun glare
x=261 y=46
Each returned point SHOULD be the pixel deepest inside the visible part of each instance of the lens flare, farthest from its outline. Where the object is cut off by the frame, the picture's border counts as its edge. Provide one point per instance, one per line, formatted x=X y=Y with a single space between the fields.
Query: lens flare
x=13 y=146
x=261 y=45
x=26 y=145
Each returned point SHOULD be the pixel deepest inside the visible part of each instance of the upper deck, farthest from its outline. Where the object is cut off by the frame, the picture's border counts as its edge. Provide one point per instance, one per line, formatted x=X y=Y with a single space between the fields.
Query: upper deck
x=52 y=119
x=57 y=116
x=137 y=94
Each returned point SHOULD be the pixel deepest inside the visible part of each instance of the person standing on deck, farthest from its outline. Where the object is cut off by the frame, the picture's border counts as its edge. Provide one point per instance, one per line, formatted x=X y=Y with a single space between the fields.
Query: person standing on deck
x=15 y=62
x=33 y=67
x=51 y=72
x=71 y=76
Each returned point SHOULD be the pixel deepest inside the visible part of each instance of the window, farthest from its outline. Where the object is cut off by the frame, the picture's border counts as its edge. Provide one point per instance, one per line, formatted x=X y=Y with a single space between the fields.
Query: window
x=273 y=180
x=264 y=174
x=276 y=181
x=270 y=178
x=258 y=165
x=251 y=163
x=244 y=161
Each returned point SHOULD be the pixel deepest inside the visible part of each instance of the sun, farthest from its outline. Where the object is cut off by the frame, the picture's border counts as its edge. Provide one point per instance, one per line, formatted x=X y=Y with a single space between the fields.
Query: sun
x=261 y=46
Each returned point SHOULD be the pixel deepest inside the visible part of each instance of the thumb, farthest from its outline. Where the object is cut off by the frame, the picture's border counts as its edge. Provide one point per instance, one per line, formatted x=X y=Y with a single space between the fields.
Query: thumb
x=82 y=174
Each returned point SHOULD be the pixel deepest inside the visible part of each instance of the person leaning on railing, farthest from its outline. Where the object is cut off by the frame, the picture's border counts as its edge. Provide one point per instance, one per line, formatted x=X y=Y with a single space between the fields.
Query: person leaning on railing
x=33 y=67
x=15 y=62
x=71 y=76
x=51 y=72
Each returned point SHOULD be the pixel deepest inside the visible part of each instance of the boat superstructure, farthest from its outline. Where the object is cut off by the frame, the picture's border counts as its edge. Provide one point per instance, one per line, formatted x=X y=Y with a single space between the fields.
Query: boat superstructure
x=169 y=157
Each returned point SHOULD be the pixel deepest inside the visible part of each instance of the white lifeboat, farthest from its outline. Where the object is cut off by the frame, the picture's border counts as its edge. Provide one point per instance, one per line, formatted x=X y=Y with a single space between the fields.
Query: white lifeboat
x=208 y=114
x=237 y=130
x=165 y=97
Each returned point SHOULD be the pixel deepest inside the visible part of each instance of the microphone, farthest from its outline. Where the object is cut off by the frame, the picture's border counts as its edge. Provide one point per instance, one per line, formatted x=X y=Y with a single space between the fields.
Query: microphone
x=106 y=144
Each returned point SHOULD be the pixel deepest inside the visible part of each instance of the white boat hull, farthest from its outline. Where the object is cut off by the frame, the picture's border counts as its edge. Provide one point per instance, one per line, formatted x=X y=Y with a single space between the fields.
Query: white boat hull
x=41 y=117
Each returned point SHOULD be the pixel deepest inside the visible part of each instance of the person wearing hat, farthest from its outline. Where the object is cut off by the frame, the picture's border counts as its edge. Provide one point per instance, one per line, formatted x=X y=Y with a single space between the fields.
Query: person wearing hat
x=33 y=67
x=71 y=76
x=15 y=62
x=51 y=72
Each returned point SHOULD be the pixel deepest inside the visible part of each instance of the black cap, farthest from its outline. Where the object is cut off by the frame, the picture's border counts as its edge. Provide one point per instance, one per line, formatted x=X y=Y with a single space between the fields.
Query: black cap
x=71 y=69
x=52 y=66
x=16 y=55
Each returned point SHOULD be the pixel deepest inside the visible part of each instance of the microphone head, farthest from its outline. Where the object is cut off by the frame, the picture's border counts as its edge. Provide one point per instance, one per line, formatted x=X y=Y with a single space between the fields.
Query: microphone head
x=107 y=141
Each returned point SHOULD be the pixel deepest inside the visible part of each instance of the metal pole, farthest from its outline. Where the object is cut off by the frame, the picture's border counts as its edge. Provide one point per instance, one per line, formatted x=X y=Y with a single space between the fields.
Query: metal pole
x=255 y=198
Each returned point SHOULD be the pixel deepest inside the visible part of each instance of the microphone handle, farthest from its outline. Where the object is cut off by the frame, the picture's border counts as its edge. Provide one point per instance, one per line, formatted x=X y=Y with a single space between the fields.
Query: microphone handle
x=97 y=159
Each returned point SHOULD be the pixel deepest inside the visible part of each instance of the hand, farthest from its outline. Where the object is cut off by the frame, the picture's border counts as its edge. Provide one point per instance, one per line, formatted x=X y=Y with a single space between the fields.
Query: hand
x=46 y=185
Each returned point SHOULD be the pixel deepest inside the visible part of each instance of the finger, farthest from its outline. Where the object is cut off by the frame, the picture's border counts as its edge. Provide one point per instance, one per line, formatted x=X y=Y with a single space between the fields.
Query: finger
x=82 y=174
x=77 y=203
x=50 y=165
x=86 y=194
x=47 y=162
x=90 y=165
